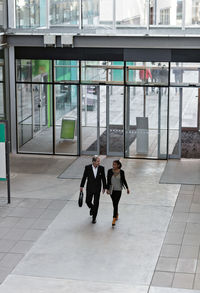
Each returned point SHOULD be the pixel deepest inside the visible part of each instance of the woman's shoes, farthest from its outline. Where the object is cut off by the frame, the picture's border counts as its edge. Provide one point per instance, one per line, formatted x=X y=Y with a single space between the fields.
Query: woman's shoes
x=113 y=222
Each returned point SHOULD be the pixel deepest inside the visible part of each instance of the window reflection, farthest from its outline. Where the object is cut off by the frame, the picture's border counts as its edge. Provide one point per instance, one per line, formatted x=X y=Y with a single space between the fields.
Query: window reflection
x=31 y=13
x=166 y=13
x=64 y=12
x=97 y=12
x=130 y=12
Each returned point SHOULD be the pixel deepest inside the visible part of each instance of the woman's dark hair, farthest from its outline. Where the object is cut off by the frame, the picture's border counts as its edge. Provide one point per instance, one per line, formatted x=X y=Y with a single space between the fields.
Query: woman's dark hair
x=119 y=164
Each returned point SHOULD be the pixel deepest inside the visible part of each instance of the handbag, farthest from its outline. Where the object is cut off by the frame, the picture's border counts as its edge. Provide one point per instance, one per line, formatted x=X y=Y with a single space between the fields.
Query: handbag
x=80 y=199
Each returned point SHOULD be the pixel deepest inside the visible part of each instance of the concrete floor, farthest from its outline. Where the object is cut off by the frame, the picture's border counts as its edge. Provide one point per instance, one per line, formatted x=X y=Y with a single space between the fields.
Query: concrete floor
x=73 y=255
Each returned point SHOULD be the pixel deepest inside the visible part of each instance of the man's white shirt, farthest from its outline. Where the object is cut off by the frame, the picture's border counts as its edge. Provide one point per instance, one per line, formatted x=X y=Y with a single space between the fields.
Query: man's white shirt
x=94 y=171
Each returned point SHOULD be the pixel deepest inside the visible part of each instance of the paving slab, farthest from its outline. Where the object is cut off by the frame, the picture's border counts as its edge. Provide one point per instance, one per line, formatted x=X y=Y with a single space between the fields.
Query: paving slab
x=19 y=284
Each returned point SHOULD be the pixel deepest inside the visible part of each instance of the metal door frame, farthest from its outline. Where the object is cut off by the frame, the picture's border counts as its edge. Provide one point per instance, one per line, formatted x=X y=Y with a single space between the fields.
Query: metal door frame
x=97 y=152
x=177 y=156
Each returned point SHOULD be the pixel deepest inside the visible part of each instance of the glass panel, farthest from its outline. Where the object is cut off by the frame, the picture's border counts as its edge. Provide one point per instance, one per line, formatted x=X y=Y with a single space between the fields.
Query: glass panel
x=144 y=130
x=30 y=13
x=1 y=101
x=190 y=107
x=34 y=70
x=192 y=7
x=64 y=12
x=98 y=12
x=66 y=119
x=102 y=71
x=1 y=14
x=185 y=74
x=34 y=117
x=174 y=123
x=116 y=120
x=130 y=12
x=164 y=12
x=66 y=70
x=148 y=73
x=89 y=119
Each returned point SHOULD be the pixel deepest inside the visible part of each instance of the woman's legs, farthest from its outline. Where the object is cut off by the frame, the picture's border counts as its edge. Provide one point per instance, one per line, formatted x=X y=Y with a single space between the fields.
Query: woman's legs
x=116 y=195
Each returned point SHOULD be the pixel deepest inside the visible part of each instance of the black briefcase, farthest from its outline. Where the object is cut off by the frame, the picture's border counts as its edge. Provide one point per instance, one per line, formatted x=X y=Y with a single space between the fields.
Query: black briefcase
x=80 y=199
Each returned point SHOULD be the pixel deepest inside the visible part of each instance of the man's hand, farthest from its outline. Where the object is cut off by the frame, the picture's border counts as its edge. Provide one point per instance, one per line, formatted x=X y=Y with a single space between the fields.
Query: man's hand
x=81 y=188
x=128 y=191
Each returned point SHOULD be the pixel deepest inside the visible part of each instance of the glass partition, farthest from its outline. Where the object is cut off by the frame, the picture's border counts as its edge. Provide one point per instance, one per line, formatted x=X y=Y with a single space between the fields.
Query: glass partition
x=66 y=119
x=147 y=73
x=131 y=13
x=64 y=12
x=66 y=71
x=102 y=71
x=97 y=12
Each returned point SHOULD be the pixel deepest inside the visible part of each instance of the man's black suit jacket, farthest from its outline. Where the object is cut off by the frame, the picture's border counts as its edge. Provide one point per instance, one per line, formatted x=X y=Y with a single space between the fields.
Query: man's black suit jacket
x=93 y=184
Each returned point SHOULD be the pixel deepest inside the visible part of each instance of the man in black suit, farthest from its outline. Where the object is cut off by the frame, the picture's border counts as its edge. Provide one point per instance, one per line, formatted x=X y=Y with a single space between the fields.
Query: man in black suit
x=94 y=174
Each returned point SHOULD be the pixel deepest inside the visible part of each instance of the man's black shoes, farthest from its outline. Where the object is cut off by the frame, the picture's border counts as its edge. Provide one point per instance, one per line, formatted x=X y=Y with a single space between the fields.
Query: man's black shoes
x=94 y=221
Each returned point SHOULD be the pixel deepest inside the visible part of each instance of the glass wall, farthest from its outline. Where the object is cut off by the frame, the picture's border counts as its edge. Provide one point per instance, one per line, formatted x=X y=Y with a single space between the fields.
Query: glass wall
x=2 y=105
x=136 y=109
x=107 y=13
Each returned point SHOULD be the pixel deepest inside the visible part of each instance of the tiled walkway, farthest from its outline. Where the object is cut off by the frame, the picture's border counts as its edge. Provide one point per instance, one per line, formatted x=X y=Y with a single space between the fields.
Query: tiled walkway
x=179 y=261
x=21 y=224
x=48 y=244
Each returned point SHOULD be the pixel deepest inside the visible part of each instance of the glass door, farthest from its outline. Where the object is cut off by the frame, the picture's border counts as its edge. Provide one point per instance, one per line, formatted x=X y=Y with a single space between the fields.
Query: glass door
x=90 y=119
x=146 y=122
x=115 y=120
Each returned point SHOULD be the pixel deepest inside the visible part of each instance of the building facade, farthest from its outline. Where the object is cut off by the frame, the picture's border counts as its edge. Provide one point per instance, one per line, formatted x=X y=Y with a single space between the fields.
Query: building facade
x=101 y=77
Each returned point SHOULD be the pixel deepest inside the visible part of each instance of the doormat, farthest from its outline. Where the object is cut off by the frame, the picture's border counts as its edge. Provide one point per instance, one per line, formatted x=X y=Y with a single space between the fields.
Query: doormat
x=190 y=144
x=116 y=137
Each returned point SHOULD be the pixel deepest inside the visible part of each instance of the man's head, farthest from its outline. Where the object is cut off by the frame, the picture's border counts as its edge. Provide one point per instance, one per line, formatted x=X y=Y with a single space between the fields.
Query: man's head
x=96 y=161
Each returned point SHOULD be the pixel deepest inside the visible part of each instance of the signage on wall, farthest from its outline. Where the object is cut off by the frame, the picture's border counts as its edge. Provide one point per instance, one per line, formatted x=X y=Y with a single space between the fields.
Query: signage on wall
x=4 y=155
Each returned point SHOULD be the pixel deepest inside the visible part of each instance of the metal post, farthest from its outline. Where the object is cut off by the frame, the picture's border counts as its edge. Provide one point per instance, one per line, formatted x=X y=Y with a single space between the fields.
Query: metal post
x=47 y=14
x=114 y=14
x=8 y=163
x=80 y=14
x=183 y=15
x=148 y=12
